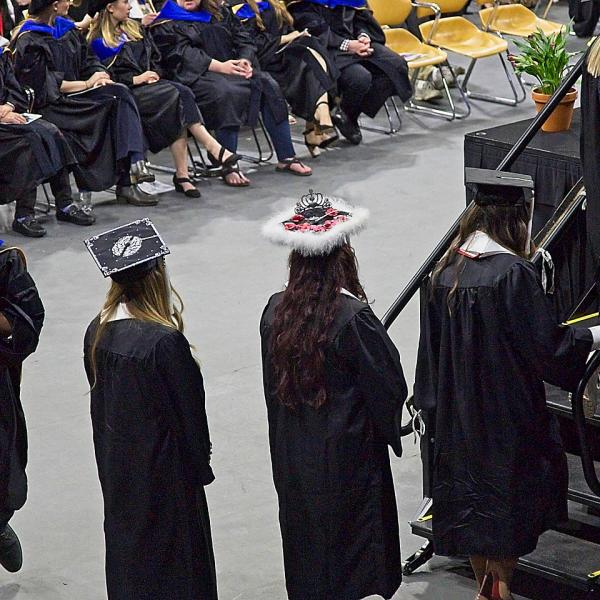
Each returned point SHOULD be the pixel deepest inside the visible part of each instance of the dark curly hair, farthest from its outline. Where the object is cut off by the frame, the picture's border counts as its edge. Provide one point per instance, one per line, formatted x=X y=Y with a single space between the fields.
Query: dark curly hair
x=302 y=323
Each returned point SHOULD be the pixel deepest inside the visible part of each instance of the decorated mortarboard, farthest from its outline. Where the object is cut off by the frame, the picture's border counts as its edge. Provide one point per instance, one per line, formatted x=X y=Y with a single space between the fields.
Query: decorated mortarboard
x=129 y=252
x=316 y=225
x=498 y=188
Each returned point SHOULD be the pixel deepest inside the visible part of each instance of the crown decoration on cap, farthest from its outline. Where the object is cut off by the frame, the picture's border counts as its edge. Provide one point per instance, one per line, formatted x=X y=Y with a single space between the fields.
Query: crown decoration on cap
x=317 y=224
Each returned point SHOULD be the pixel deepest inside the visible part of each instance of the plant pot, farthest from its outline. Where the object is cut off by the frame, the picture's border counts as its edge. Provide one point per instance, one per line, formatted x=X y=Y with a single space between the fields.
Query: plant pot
x=562 y=115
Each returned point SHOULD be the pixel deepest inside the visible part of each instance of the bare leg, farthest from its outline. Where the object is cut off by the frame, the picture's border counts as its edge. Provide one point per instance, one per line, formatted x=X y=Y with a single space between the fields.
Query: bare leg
x=478 y=564
x=322 y=114
x=504 y=569
x=202 y=135
x=179 y=151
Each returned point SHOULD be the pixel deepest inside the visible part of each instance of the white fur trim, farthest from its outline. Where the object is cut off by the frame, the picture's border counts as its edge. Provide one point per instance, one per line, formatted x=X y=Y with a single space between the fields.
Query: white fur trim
x=312 y=243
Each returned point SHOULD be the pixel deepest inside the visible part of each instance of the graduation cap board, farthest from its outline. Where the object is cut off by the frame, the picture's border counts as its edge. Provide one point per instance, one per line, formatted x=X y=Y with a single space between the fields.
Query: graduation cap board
x=498 y=188
x=128 y=252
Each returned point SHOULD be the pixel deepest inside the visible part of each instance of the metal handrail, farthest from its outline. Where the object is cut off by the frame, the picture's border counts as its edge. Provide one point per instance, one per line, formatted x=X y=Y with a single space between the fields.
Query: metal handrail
x=587 y=461
x=414 y=284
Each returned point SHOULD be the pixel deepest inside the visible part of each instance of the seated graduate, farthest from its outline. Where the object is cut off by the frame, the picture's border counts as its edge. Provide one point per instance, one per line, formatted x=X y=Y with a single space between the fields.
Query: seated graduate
x=298 y=62
x=204 y=46
x=30 y=154
x=489 y=340
x=73 y=90
x=151 y=434
x=334 y=403
x=21 y=320
x=168 y=109
x=370 y=72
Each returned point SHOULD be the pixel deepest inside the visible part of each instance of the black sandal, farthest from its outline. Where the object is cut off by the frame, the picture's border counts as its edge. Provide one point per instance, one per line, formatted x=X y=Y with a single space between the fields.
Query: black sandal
x=229 y=166
x=288 y=162
x=177 y=181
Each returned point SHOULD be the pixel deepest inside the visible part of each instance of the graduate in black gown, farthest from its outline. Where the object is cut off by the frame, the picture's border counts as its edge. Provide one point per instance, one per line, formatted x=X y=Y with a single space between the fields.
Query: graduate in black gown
x=298 y=62
x=73 y=90
x=21 y=320
x=370 y=72
x=334 y=389
x=204 y=46
x=168 y=109
x=489 y=340
x=150 y=428
x=30 y=154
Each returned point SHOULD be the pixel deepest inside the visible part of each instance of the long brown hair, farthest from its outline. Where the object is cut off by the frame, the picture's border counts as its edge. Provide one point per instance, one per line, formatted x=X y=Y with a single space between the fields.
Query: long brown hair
x=303 y=321
x=506 y=225
x=148 y=299
x=213 y=7
x=281 y=13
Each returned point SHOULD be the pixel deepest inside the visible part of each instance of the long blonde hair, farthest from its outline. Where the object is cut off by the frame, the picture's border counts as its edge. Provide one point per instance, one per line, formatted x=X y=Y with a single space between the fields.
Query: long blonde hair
x=593 y=59
x=102 y=27
x=148 y=299
x=281 y=13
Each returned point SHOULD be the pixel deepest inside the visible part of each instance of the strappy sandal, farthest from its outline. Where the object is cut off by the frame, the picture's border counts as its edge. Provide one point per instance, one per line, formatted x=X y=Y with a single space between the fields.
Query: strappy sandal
x=288 y=162
x=229 y=166
x=193 y=193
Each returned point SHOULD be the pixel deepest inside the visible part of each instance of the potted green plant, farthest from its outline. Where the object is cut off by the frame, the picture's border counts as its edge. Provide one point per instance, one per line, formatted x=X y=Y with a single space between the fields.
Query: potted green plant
x=545 y=57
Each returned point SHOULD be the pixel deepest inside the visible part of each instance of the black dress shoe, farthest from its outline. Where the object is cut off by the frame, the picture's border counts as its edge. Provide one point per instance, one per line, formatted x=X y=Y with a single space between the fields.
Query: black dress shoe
x=74 y=214
x=134 y=196
x=11 y=555
x=29 y=227
x=348 y=128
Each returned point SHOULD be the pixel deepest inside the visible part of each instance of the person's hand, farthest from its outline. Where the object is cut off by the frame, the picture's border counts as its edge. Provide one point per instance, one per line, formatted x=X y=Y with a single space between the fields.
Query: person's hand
x=98 y=78
x=149 y=19
x=365 y=39
x=5 y=109
x=234 y=67
x=146 y=77
x=13 y=118
x=247 y=66
x=360 y=48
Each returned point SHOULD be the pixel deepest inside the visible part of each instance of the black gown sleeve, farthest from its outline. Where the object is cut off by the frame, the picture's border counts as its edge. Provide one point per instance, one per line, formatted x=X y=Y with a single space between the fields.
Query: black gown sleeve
x=242 y=40
x=364 y=22
x=556 y=354
x=309 y=16
x=35 y=68
x=89 y=62
x=10 y=89
x=266 y=41
x=185 y=389
x=181 y=49
x=367 y=348
x=21 y=305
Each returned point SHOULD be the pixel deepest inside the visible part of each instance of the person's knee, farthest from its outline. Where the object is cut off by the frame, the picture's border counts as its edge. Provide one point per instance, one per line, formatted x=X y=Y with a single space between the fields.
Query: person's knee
x=359 y=79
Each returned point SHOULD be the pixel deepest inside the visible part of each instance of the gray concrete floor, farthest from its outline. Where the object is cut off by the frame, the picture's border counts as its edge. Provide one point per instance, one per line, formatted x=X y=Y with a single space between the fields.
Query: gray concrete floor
x=411 y=182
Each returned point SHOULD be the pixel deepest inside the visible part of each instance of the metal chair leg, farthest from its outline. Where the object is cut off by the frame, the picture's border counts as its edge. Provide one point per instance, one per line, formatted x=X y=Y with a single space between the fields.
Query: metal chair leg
x=516 y=99
x=392 y=127
x=262 y=157
x=45 y=210
x=414 y=106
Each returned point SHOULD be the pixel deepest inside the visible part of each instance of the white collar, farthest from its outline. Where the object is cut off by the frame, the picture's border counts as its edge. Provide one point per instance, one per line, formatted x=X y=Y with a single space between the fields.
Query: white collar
x=479 y=245
x=345 y=291
x=120 y=314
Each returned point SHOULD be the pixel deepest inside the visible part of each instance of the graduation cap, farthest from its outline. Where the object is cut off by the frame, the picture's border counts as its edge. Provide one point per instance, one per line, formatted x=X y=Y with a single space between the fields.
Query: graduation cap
x=498 y=188
x=129 y=252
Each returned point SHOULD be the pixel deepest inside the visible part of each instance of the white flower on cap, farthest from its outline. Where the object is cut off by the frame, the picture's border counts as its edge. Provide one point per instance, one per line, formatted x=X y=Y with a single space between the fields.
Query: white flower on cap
x=316 y=225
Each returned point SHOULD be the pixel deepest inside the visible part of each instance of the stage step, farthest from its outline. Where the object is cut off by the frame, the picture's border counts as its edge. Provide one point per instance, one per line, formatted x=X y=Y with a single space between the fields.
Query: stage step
x=579 y=490
x=558 y=557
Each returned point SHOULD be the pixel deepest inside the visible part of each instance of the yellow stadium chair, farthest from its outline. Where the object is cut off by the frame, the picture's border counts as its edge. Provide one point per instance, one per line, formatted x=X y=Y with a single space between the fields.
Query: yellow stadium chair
x=515 y=20
x=459 y=35
x=391 y=13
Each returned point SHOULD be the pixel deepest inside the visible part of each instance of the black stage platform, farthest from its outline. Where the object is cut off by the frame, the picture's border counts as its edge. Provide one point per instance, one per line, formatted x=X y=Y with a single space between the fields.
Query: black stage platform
x=552 y=159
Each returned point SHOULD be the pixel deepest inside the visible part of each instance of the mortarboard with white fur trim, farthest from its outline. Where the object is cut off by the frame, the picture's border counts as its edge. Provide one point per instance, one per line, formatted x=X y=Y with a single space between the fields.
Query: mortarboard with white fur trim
x=316 y=225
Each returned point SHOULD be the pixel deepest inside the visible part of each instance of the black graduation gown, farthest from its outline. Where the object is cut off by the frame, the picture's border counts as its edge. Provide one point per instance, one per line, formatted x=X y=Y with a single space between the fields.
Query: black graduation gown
x=584 y=14
x=499 y=470
x=101 y=125
x=187 y=49
x=166 y=108
x=337 y=508
x=152 y=450
x=298 y=73
x=21 y=305
x=333 y=25
x=590 y=156
x=29 y=154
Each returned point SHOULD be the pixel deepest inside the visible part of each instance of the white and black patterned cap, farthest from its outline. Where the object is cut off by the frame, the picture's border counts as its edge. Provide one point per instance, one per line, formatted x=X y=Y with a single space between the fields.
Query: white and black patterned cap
x=128 y=252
